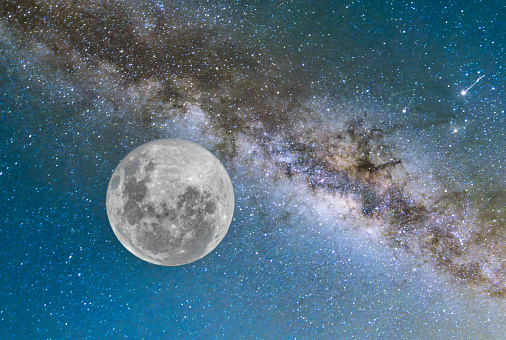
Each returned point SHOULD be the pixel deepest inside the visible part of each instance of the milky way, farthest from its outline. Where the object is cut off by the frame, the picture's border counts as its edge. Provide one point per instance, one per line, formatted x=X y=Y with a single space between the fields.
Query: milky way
x=265 y=110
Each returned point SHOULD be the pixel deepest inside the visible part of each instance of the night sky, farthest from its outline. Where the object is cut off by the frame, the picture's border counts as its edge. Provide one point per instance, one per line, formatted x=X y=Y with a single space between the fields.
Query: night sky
x=365 y=142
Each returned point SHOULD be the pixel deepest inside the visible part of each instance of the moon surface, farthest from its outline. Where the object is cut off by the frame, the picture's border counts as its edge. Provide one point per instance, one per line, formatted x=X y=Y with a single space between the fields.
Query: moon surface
x=170 y=202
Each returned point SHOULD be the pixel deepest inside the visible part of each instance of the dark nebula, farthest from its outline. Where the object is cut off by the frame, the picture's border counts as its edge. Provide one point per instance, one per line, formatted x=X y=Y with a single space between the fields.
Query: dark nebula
x=173 y=66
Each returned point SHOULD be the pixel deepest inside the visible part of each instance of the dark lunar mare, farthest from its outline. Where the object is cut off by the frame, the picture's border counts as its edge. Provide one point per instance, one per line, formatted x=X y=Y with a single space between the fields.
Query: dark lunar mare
x=194 y=213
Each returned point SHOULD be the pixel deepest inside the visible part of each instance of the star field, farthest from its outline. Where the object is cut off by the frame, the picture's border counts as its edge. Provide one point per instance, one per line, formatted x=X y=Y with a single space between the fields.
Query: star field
x=366 y=145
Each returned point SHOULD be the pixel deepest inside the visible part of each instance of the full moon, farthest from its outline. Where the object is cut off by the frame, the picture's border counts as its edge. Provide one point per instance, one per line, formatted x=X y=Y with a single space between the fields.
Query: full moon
x=170 y=202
